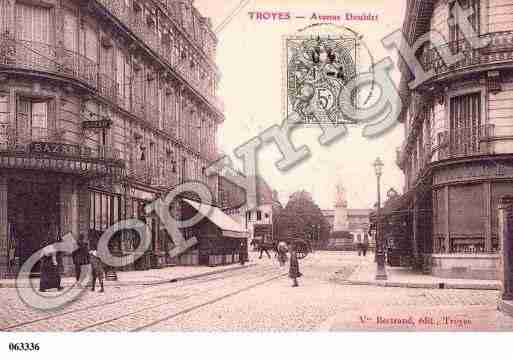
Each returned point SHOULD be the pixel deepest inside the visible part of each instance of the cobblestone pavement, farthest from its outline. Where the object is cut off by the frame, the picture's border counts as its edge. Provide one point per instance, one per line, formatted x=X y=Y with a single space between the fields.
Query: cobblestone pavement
x=261 y=298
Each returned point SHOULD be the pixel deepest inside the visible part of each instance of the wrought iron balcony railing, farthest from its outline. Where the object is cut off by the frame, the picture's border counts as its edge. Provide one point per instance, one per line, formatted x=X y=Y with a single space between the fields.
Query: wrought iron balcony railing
x=39 y=56
x=499 y=49
x=466 y=141
x=10 y=141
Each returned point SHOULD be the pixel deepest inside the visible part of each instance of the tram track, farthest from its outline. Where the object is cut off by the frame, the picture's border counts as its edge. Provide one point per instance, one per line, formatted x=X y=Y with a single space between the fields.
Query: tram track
x=140 y=295
x=172 y=303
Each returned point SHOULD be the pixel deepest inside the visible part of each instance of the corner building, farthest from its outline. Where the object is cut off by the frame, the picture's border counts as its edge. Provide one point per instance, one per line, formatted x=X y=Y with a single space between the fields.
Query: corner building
x=458 y=152
x=104 y=106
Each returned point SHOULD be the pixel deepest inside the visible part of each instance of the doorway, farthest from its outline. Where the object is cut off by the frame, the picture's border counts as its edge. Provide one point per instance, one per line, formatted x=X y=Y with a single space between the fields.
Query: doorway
x=34 y=217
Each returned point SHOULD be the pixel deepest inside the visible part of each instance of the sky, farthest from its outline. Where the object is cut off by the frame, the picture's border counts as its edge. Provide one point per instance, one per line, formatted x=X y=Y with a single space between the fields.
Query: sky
x=250 y=58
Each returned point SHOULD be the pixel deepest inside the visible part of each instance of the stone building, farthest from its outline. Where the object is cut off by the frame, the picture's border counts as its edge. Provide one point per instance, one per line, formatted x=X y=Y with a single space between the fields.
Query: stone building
x=104 y=106
x=458 y=128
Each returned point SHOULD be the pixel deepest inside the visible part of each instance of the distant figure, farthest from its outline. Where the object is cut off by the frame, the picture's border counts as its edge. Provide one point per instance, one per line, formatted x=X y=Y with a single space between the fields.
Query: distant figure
x=263 y=248
x=97 y=270
x=294 y=272
x=80 y=256
x=359 y=245
x=365 y=245
x=282 y=250
x=242 y=252
x=50 y=276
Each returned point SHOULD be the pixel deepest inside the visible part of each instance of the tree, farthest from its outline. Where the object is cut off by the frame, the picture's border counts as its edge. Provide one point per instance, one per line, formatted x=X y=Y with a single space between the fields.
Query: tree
x=302 y=219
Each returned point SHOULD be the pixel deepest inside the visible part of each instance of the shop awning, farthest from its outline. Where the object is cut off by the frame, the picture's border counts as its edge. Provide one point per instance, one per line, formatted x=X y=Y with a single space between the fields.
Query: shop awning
x=229 y=227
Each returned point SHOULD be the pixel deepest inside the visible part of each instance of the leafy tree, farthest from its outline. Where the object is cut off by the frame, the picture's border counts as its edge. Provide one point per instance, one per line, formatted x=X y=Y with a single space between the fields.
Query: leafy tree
x=302 y=219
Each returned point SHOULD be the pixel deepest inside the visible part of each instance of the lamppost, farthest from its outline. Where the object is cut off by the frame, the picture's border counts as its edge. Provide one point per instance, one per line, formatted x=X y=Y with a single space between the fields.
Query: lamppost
x=381 y=273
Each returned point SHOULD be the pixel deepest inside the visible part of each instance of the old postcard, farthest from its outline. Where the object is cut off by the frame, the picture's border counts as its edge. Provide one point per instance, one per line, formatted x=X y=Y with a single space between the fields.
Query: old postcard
x=255 y=166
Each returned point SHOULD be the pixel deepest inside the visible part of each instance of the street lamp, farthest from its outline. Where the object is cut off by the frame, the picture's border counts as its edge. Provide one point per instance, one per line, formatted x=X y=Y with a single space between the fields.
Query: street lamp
x=381 y=273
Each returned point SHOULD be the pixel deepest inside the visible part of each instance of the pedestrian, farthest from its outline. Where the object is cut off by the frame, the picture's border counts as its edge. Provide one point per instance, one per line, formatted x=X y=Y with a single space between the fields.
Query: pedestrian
x=294 y=272
x=97 y=269
x=242 y=252
x=358 y=242
x=282 y=250
x=263 y=248
x=50 y=276
x=80 y=256
x=365 y=245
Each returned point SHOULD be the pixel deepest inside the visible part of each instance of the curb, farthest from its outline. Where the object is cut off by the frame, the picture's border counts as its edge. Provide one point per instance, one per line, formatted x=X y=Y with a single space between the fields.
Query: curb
x=440 y=285
x=108 y=283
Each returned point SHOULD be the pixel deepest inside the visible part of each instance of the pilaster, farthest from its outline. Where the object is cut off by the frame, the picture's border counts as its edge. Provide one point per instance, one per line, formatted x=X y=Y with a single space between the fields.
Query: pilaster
x=3 y=224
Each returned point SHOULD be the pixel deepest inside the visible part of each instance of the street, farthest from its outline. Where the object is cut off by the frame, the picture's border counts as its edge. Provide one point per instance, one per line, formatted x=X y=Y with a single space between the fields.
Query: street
x=260 y=298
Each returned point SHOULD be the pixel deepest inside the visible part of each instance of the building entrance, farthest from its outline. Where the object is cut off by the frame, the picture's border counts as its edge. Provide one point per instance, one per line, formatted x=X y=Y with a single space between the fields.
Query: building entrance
x=33 y=216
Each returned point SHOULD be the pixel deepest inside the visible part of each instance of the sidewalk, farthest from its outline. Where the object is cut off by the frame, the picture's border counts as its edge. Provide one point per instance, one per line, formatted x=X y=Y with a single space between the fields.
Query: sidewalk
x=147 y=277
x=365 y=274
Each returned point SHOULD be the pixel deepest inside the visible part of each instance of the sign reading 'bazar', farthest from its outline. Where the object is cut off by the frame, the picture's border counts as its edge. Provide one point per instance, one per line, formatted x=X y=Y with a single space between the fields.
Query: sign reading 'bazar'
x=59 y=149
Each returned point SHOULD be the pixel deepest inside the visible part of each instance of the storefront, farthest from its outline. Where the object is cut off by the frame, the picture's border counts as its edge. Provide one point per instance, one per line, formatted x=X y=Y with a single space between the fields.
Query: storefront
x=44 y=195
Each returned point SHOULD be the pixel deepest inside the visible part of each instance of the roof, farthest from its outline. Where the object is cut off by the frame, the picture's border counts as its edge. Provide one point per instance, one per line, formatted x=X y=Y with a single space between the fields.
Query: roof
x=229 y=226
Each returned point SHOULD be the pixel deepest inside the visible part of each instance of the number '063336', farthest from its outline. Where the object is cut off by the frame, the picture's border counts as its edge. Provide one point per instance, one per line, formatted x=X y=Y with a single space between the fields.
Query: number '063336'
x=24 y=346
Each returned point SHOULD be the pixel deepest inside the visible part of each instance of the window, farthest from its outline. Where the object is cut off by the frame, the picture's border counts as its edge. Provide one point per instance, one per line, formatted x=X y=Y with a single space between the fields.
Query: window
x=465 y=124
x=455 y=35
x=32 y=119
x=258 y=215
x=4 y=119
x=70 y=30
x=4 y=108
x=184 y=169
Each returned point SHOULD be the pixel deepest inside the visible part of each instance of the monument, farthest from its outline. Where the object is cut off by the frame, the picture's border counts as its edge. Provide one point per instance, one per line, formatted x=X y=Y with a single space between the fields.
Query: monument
x=340 y=222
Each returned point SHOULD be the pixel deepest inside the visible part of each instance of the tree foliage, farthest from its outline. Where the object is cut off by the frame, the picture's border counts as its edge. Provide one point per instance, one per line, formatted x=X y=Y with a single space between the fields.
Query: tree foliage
x=301 y=219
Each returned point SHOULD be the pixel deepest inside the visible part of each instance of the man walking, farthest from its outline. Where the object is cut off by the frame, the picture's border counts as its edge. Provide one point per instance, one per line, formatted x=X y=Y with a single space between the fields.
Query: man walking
x=80 y=256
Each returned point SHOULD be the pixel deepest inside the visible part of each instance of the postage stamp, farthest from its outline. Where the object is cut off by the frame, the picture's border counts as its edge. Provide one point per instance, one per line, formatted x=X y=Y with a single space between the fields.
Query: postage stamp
x=317 y=69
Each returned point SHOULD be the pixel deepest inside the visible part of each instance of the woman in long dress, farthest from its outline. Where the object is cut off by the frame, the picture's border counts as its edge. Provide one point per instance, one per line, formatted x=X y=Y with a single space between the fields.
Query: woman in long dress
x=294 y=272
x=50 y=276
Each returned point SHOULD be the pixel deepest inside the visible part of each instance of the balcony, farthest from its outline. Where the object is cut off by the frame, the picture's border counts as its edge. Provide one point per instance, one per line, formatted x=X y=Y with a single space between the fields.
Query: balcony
x=135 y=23
x=36 y=56
x=42 y=149
x=499 y=50
x=465 y=142
x=154 y=175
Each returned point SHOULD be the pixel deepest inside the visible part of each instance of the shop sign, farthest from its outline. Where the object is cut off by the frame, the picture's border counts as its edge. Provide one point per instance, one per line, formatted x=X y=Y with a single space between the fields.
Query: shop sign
x=59 y=149
x=99 y=124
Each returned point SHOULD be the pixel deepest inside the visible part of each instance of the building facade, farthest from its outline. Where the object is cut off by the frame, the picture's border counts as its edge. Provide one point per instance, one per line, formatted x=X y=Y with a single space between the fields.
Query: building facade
x=104 y=106
x=457 y=156
x=265 y=213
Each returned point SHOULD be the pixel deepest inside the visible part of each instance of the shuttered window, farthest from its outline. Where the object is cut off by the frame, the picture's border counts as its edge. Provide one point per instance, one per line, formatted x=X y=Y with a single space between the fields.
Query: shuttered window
x=89 y=46
x=70 y=31
x=465 y=123
x=4 y=16
x=34 y=23
x=4 y=108
x=4 y=119
x=32 y=119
